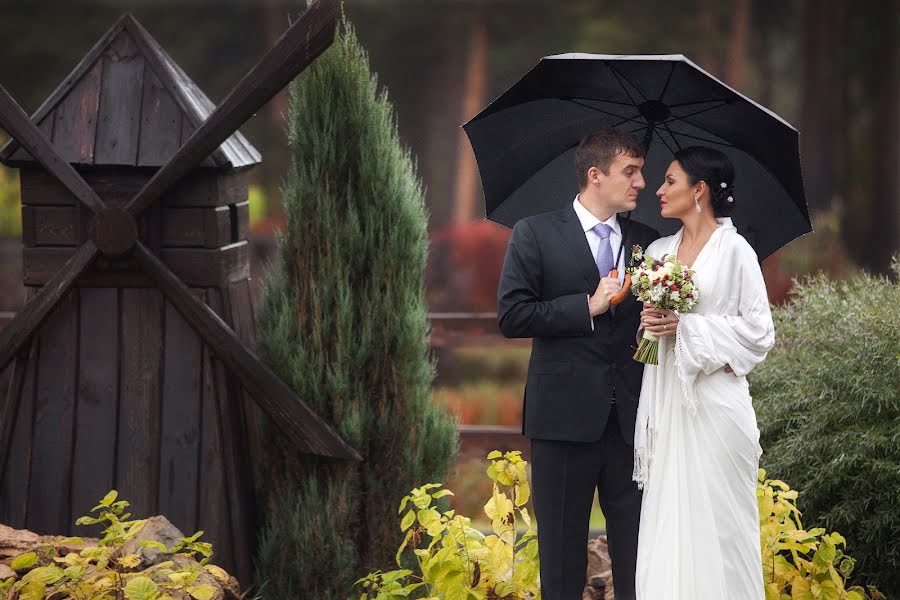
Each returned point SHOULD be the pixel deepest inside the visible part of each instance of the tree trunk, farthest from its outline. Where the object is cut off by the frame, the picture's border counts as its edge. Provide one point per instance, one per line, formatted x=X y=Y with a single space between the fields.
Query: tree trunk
x=466 y=185
x=821 y=98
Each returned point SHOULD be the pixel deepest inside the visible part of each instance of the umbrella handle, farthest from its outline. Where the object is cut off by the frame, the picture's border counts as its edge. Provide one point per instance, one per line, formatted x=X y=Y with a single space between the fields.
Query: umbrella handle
x=626 y=287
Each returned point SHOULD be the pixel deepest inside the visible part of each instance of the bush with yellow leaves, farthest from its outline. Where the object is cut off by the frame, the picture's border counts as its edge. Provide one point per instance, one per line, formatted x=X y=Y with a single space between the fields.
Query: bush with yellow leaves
x=455 y=561
x=105 y=572
x=800 y=564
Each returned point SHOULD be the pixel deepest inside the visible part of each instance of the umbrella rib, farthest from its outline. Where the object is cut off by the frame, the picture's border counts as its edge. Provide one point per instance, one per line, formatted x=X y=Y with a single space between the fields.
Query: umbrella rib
x=694 y=137
x=605 y=112
x=668 y=79
x=672 y=135
x=622 y=85
x=698 y=112
x=663 y=140
x=695 y=102
x=598 y=100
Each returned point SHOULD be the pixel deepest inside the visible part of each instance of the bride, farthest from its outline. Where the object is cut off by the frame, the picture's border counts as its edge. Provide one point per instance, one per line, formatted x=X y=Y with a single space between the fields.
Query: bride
x=696 y=440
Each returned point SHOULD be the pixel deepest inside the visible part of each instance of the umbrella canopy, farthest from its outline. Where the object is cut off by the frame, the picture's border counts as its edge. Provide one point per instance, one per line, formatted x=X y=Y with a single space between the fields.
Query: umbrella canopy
x=525 y=140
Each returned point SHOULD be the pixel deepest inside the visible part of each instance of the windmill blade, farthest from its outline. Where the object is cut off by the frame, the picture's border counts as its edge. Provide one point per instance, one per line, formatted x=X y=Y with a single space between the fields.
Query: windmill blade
x=289 y=412
x=300 y=45
x=17 y=333
x=14 y=120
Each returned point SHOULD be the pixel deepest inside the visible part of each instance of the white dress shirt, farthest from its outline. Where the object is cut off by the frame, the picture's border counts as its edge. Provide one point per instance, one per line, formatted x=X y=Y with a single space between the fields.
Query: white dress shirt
x=588 y=222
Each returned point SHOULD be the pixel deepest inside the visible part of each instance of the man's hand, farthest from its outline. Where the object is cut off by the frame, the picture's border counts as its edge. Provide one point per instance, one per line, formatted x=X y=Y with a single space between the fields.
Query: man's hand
x=606 y=289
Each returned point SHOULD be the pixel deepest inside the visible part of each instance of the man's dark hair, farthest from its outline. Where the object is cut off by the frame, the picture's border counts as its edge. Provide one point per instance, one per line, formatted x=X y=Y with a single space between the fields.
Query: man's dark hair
x=601 y=147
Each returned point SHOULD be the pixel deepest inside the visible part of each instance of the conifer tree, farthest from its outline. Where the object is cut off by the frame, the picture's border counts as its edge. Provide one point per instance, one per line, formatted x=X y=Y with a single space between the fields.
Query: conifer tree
x=343 y=321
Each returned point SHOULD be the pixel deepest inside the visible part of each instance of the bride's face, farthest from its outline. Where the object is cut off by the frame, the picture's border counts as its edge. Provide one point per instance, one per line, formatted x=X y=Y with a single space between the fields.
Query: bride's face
x=676 y=195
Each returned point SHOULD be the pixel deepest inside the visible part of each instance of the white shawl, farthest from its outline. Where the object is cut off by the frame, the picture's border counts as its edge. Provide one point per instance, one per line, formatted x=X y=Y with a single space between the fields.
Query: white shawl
x=731 y=324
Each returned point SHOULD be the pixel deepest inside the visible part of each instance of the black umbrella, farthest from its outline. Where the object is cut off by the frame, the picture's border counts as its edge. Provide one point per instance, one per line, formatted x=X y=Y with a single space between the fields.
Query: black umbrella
x=525 y=140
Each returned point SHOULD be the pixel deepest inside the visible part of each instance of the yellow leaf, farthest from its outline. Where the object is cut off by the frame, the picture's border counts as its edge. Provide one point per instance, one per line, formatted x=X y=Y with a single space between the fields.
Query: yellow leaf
x=129 y=561
x=218 y=572
x=523 y=492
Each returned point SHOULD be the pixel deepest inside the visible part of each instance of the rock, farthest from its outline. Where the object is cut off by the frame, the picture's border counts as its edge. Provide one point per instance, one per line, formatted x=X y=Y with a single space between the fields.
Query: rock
x=156 y=529
x=599 y=583
x=16 y=541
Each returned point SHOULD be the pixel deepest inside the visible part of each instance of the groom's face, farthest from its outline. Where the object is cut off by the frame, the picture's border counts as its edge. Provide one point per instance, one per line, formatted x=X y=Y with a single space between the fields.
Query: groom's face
x=620 y=187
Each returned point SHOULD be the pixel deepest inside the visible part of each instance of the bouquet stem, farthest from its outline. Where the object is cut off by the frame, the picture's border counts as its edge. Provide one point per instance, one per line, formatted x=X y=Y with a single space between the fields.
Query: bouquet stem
x=648 y=350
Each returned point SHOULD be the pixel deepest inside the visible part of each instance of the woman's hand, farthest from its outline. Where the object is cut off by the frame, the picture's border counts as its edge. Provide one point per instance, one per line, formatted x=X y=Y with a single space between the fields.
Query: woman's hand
x=659 y=321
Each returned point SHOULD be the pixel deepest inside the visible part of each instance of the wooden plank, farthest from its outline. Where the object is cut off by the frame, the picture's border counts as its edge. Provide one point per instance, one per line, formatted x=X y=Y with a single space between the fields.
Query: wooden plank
x=241 y=216
x=15 y=468
x=200 y=267
x=45 y=127
x=198 y=227
x=236 y=458
x=93 y=464
x=308 y=37
x=179 y=475
x=137 y=465
x=161 y=123
x=39 y=188
x=119 y=120
x=297 y=420
x=45 y=111
x=14 y=120
x=27 y=320
x=217 y=227
x=75 y=130
x=54 y=421
x=28 y=231
x=214 y=497
x=50 y=225
x=200 y=188
x=240 y=305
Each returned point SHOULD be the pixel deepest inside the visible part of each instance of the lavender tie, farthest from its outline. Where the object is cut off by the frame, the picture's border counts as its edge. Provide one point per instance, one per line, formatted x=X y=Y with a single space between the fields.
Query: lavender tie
x=604 y=253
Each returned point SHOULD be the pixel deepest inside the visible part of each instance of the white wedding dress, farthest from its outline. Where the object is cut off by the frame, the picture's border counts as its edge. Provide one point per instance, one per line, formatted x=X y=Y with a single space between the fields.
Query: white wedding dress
x=696 y=441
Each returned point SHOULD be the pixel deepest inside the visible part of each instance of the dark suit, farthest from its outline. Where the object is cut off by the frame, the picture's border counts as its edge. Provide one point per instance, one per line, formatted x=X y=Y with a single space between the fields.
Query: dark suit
x=581 y=395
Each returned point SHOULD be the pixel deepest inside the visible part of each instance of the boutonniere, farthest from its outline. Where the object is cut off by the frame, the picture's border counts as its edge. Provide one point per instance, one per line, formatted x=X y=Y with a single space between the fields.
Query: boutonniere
x=637 y=257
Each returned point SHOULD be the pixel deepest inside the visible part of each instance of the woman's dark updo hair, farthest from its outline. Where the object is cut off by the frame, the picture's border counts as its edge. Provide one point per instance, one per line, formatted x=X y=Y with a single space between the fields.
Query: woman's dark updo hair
x=702 y=163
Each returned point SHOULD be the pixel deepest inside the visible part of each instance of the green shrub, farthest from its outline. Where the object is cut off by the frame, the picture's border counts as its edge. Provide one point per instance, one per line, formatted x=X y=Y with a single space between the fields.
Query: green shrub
x=10 y=203
x=343 y=321
x=828 y=403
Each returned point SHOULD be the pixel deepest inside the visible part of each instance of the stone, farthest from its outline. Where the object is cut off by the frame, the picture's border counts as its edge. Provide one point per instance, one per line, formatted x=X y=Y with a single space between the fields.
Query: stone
x=159 y=529
x=16 y=541
x=599 y=581
x=156 y=529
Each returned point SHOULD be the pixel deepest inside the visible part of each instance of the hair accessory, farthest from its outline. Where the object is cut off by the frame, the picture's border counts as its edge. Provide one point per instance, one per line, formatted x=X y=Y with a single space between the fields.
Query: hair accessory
x=730 y=198
x=723 y=185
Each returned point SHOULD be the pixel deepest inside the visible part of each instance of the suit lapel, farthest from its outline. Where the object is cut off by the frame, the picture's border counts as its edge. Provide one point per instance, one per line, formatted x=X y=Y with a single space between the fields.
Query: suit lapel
x=570 y=229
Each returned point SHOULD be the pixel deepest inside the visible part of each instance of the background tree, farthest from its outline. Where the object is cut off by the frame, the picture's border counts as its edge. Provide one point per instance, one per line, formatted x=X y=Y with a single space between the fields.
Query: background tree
x=343 y=319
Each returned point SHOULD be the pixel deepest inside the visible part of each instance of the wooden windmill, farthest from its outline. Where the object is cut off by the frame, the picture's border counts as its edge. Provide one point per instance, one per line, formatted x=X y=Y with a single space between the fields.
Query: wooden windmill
x=129 y=358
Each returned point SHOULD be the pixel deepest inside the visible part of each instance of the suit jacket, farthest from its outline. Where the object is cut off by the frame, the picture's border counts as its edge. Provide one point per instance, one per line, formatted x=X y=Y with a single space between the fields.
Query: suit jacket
x=574 y=372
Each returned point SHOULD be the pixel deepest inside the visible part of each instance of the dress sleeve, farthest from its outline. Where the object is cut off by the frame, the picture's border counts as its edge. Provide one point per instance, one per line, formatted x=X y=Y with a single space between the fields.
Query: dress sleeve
x=708 y=342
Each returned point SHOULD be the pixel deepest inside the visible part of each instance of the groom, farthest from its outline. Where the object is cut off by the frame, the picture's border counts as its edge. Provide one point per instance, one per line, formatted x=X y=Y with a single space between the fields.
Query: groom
x=582 y=390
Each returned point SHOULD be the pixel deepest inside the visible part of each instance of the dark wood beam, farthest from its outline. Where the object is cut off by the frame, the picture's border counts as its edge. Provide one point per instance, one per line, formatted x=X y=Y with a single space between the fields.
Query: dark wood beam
x=301 y=44
x=17 y=333
x=14 y=120
x=290 y=413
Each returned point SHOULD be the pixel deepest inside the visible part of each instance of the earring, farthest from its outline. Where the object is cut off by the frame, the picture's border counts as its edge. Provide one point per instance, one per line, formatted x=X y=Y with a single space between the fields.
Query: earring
x=697 y=205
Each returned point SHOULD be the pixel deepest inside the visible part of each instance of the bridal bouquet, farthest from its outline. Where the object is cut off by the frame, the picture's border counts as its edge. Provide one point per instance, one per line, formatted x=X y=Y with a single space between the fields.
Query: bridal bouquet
x=665 y=283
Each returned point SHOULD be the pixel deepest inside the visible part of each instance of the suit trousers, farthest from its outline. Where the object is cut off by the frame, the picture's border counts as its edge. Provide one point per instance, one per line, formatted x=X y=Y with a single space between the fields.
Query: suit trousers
x=564 y=477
